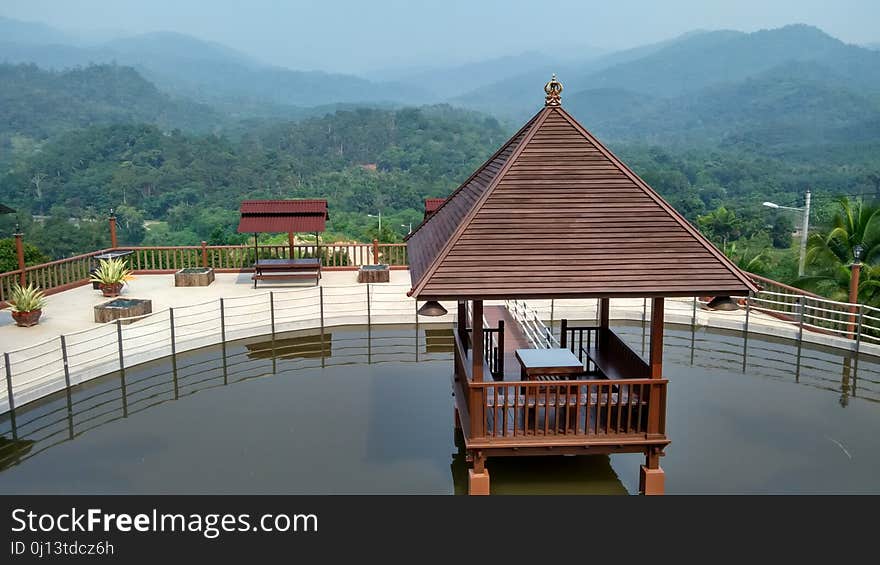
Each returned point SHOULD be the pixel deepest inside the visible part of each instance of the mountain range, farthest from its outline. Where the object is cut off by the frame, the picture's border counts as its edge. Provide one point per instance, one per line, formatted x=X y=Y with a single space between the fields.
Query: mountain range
x=775 y=90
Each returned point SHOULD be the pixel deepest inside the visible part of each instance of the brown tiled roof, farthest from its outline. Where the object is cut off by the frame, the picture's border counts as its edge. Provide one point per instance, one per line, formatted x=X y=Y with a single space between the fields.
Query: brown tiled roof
x=554 y=214
x=284 y=216
x=445 y=220
x=303 y=206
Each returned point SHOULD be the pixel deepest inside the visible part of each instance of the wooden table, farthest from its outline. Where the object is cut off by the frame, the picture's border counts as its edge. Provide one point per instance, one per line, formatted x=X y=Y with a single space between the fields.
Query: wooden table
x=548 y=362
x=286 y=269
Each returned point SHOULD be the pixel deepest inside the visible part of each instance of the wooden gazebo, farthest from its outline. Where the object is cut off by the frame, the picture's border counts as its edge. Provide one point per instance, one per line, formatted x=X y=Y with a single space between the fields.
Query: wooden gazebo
x=290 y=217
x=554 y=214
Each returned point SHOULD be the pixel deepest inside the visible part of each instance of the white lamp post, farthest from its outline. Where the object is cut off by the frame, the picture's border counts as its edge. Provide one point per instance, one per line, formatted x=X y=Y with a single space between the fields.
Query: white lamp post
x=380 y=220
x=410 y=227
x=805 y=226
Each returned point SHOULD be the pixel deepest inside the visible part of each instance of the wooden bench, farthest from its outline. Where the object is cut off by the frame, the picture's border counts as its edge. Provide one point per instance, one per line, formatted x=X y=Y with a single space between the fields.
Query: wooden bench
x=615 y=360
x=287 y=269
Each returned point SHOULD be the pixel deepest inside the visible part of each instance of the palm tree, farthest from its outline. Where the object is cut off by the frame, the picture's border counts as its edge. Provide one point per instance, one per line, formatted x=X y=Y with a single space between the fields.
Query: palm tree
x=830 y=255
x=720 y=224
x=748 y=259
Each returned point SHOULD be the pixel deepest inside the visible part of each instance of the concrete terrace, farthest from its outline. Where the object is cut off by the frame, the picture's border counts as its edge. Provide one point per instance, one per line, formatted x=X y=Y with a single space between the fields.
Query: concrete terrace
x=35 y=357
x=345 y=302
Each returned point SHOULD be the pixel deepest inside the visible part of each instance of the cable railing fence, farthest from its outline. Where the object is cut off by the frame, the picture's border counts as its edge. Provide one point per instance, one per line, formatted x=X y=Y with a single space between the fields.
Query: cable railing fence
x=38 y=370
x=64 y=417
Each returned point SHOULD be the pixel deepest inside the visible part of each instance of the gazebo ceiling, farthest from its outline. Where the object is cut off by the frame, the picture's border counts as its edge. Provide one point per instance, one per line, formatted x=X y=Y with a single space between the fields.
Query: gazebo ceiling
x=553 y=214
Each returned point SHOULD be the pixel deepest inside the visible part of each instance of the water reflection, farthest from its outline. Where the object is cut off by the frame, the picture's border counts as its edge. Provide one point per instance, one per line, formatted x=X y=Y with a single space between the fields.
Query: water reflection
x=541 y=475
x=366 y=380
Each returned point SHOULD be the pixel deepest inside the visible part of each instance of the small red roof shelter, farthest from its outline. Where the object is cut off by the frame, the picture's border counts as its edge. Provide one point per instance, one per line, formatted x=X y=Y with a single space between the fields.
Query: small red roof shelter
x=431 y=205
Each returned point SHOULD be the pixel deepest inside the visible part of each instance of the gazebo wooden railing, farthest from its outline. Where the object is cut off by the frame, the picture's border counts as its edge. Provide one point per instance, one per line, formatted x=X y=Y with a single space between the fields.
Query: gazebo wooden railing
x=517 y=413
x=614 y=409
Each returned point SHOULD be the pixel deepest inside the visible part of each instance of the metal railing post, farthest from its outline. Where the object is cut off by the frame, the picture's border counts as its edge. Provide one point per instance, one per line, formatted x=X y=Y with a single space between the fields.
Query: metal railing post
x=746 y=330
x=802 y=301
x=369 y=314
x=802 y=307
x=694 y=314
x=67 y=387
x=173 y=353
x=122 y=369
x=10 y=395
x=222 y=322
x=321 y=302
x=858 y=340
x=272 y=312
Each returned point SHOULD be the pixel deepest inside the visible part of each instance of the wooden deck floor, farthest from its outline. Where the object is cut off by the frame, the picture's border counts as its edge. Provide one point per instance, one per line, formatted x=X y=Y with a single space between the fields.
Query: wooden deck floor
x=514 y=338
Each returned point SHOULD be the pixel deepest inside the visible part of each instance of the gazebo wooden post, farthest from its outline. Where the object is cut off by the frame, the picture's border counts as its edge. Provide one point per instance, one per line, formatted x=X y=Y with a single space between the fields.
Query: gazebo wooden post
x=477 y=341
x=604 y=315
x=462 y=323
x=651 y=476
x=290 y=242
x=478 y=476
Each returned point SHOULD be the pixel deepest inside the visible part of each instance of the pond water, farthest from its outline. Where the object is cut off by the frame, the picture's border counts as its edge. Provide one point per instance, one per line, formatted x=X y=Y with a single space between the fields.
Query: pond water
x=370 y=411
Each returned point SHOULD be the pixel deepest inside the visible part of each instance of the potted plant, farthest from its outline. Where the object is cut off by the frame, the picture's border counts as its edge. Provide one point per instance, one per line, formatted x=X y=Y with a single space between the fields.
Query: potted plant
x=27 y=305
x=110 y=275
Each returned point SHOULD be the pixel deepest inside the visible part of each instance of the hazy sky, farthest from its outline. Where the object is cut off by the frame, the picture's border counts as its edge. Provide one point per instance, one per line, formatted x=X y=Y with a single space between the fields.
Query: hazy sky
x=349 y=35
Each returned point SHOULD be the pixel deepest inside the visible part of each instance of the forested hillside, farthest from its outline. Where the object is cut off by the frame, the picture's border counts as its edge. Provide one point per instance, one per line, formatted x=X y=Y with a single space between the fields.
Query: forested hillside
x=36 y=104
x=717 y=122
x=146 y=173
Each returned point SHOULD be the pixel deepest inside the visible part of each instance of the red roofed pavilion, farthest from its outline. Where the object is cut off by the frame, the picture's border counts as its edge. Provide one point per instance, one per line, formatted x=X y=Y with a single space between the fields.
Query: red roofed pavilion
x=431 y=205
x=554 y=214
x=285 y=216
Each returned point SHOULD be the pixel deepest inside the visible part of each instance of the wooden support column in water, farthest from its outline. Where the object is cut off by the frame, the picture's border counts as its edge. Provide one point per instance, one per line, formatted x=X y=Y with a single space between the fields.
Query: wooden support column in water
x=475 y=400
x=656 y=358
x=477 y=341
x=651 y=475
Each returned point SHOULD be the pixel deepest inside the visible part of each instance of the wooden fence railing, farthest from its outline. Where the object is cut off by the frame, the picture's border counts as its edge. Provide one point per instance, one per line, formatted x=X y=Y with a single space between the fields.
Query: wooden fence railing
x=575 y=408
x=54 y=276
x=63 y=274
x=237 y=257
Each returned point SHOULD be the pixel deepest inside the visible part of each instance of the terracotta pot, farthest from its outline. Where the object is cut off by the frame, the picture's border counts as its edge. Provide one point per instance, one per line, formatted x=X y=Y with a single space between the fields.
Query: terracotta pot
x=27 y=319
x=111 y=289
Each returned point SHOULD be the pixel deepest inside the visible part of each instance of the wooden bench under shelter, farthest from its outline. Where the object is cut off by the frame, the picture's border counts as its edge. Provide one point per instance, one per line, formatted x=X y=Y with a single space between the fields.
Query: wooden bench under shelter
x=287 y=269
x=285 y=216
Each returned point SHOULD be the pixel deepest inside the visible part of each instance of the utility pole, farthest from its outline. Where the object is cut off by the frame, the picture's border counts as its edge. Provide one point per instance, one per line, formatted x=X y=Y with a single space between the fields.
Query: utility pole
x=805 y=227
x=805 y=230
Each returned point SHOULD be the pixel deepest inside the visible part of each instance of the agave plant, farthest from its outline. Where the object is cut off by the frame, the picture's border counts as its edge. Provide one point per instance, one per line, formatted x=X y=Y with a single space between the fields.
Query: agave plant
x=27 y=299
x=112 y=271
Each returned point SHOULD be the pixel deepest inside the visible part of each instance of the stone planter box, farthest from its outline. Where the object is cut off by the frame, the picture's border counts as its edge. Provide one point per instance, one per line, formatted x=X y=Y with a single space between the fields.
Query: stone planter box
x=122 y=308
x=194 y=276
x=374 y=274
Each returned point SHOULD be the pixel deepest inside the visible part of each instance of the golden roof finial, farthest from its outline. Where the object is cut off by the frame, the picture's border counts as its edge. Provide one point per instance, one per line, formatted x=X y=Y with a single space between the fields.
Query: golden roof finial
x=554 y=92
